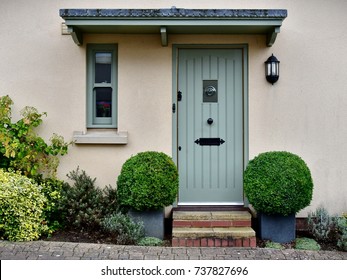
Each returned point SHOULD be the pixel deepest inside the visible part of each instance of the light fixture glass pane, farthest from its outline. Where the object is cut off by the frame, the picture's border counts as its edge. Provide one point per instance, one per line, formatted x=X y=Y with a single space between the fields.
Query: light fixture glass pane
x=103 y=62
x=273 y=68
x=103 y=102
x=268 y=70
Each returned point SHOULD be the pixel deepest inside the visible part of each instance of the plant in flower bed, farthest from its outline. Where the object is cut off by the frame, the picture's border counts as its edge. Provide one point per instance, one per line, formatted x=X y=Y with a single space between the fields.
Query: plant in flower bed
x=329 y=231
x=150 y=241
x=123 y=229
x=305 y=243
x=26 y=155
x=321 y=224
x=83 y=205
x=274 y=245
x=21 y=208
x=52 y=189
x=92 y=214
x=300 y=243
x=21 y=148
x=342 y=232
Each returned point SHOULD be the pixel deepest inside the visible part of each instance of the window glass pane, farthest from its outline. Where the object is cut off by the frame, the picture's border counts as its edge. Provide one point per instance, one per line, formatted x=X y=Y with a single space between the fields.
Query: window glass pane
x=103 y=102
x=103 y=67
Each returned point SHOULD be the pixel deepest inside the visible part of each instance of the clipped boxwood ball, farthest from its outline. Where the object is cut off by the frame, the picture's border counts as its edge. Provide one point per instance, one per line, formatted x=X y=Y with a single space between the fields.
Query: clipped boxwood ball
x=278 y=183
x=148 y=181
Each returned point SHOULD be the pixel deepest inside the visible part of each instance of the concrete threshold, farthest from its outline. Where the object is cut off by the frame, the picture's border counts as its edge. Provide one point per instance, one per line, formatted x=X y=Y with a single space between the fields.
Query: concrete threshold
x=211 y=215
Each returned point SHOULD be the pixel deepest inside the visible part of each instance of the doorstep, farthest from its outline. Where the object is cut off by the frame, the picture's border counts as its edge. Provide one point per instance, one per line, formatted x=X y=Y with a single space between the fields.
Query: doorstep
x=213 y=228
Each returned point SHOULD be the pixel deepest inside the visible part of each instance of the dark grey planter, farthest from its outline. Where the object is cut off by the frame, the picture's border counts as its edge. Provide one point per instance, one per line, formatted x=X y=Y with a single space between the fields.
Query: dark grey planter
x=153 y=221
x=277 y=228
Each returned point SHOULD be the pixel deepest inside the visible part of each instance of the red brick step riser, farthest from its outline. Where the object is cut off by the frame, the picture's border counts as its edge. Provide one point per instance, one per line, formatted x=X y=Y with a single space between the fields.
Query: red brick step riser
x=214 y=242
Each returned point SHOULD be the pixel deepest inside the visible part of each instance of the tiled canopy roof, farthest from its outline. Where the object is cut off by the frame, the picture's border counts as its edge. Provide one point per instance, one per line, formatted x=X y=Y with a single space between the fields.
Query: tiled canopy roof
x=173 y=21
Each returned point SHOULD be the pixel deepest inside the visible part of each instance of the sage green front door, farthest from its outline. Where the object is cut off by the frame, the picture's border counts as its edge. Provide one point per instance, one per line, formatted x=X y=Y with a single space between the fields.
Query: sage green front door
x=210 y=126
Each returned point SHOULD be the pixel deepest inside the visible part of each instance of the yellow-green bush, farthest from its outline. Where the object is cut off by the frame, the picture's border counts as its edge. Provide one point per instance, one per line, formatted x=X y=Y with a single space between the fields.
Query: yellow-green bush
x=21 y=208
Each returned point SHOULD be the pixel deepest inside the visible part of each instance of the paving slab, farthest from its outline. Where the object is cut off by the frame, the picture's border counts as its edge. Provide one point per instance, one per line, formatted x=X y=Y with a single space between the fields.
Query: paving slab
x=44 y=250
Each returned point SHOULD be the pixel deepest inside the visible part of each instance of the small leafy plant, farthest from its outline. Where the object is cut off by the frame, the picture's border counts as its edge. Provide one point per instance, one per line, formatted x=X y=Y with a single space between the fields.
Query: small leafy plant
x=20 y=146
x=150 y=241
x=21 y=208
x=321 y=224
x=125 y=230
x=342 y=232
x=148 y=181
x=306 y=244
x=274 y=245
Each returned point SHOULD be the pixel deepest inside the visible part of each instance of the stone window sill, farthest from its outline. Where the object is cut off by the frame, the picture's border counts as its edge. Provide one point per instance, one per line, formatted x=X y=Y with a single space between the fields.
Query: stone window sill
x=102 y=137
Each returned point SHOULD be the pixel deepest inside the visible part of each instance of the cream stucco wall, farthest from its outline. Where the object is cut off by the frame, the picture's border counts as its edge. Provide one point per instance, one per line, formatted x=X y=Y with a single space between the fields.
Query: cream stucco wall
x=305 y=112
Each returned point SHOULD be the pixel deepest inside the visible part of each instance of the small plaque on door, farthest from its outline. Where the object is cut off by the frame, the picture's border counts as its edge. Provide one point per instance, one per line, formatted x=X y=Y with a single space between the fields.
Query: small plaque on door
x=210 y=91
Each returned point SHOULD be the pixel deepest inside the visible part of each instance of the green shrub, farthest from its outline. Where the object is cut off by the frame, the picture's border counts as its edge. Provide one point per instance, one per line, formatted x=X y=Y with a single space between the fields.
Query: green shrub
x=150 y=241
x=148 y=181
x=84 y=204
x=278 y=183
x=52 y=190
x=21 y=148
x=125 y=230
x=110 y=200
x=342 y=232
x=21 y=208
x=321 y=224
x=306 y=244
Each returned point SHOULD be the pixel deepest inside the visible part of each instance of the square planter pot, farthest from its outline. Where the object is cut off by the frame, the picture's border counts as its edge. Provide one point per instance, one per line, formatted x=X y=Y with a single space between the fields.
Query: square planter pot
x=153 y=221
x=276 y=228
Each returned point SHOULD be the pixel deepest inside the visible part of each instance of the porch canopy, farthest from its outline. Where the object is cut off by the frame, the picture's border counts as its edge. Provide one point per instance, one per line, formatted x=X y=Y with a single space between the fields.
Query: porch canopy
x=173 y=21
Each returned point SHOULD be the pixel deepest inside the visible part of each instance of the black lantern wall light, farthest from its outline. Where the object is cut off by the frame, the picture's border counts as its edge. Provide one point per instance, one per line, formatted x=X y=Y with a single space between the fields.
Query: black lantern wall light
x=272 y=69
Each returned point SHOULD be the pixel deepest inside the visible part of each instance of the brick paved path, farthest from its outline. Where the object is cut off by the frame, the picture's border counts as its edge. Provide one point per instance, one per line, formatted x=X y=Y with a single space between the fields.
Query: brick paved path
x=43 y=250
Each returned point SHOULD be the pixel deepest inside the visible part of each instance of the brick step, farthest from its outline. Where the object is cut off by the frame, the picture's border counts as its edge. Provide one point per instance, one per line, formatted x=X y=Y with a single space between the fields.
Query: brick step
x=199 y=219
x=212 y=228
x=214 y=237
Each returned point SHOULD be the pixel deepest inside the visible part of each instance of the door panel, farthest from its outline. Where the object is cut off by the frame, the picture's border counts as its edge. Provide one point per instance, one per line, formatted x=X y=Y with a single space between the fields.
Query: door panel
x=210 y=174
